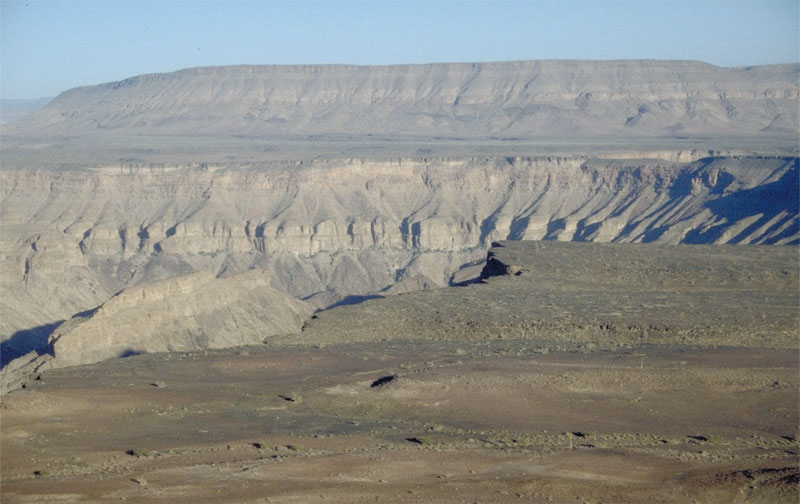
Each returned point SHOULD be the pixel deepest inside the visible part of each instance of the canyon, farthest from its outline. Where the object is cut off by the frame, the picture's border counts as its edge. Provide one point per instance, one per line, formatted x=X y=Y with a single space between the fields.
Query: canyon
x=226 y=284
x=343 y=183
x=334 y=231
x=573 y=371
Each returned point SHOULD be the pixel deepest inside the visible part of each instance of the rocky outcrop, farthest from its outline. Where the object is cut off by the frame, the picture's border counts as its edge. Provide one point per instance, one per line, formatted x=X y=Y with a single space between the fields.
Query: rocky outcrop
x=528 y=99
x=188 y=312
x=17 y=373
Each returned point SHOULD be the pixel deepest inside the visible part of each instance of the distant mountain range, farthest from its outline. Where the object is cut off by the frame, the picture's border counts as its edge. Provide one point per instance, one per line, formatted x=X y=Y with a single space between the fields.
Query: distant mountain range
x=525 y=99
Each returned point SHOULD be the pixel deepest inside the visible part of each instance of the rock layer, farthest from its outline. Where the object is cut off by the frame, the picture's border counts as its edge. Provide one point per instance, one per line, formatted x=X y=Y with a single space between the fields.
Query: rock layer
x=326 y=230
x=194 y=311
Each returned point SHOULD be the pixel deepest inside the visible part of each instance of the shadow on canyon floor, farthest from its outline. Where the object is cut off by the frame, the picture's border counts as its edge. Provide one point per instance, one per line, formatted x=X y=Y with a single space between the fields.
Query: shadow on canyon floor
x=25 y=341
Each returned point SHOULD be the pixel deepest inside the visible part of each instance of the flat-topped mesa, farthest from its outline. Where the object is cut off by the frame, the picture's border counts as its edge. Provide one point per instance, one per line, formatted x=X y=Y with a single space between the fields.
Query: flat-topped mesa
x=524 y=99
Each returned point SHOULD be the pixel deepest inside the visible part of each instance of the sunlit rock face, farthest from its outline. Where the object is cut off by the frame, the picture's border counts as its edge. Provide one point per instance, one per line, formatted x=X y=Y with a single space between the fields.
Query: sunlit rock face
x=186 y=312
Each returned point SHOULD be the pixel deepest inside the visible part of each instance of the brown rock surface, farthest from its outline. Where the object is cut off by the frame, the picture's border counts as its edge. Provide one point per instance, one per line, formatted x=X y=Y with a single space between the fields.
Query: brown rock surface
x=600 y=295
x=186 y=312
x=194 y=311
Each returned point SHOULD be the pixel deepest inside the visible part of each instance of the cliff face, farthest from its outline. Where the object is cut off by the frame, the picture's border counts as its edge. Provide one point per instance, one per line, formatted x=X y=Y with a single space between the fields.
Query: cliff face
x=330 y=229
x=187 y=312
x=543 y=99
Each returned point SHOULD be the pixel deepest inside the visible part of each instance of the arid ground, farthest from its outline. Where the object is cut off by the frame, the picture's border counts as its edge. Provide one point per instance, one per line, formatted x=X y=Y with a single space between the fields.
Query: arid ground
x=503 y=391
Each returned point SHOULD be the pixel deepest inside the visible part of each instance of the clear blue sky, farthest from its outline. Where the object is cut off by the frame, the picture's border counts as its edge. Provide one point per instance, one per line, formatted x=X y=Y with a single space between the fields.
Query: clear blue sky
x=49 y=46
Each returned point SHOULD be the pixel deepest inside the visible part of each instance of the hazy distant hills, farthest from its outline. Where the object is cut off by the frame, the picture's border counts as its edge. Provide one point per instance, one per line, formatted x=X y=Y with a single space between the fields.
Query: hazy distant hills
x=15 y=109
x=526 y=99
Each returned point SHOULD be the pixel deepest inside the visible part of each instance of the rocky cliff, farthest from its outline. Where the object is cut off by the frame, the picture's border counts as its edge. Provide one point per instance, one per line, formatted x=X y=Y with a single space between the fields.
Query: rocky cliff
x=188 y=312
x=344 y=182
x=543 y=99
x=331 y=229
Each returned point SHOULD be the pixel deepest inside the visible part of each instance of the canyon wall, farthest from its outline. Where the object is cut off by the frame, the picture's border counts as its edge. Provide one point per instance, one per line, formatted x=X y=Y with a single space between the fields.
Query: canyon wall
x=186 y=312
x=327 y=230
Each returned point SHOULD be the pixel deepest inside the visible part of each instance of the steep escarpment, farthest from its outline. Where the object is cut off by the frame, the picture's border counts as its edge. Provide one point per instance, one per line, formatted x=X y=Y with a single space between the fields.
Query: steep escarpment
x=527 y=99
x=182 y=313
x=326 y=231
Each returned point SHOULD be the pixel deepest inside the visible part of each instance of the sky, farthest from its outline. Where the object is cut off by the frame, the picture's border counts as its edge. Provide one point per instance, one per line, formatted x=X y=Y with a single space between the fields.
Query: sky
x=49 y=46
